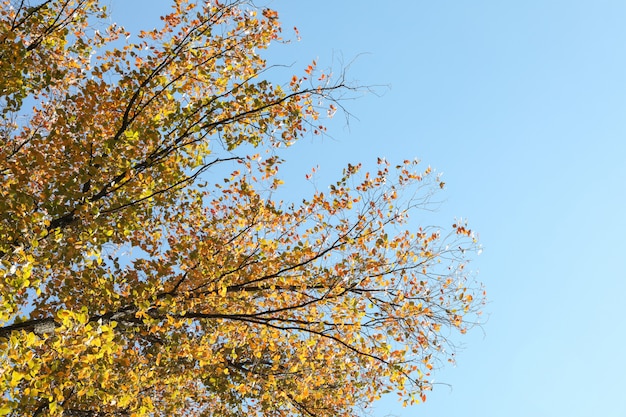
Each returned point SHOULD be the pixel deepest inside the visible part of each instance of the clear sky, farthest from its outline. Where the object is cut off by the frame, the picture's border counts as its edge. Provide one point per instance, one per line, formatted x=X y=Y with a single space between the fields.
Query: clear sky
x=522 y=106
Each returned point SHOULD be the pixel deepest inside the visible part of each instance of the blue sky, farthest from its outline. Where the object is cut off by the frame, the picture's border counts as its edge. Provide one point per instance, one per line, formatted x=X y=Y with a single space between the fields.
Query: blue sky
x=521 y=106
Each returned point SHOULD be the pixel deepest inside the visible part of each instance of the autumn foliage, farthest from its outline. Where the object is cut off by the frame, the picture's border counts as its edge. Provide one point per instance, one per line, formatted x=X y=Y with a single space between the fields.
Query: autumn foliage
x=135 y=280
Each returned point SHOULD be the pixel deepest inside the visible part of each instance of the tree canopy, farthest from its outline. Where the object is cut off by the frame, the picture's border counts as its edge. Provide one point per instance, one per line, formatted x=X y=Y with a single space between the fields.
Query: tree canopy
x=137 y=281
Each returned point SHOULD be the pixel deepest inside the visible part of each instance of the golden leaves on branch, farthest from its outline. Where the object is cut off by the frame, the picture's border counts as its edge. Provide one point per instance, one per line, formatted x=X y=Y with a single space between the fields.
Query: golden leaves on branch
x=135 y=283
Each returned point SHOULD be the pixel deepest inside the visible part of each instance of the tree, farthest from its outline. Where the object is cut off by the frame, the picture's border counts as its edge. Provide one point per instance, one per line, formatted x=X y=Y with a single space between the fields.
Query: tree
x=135 y=283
